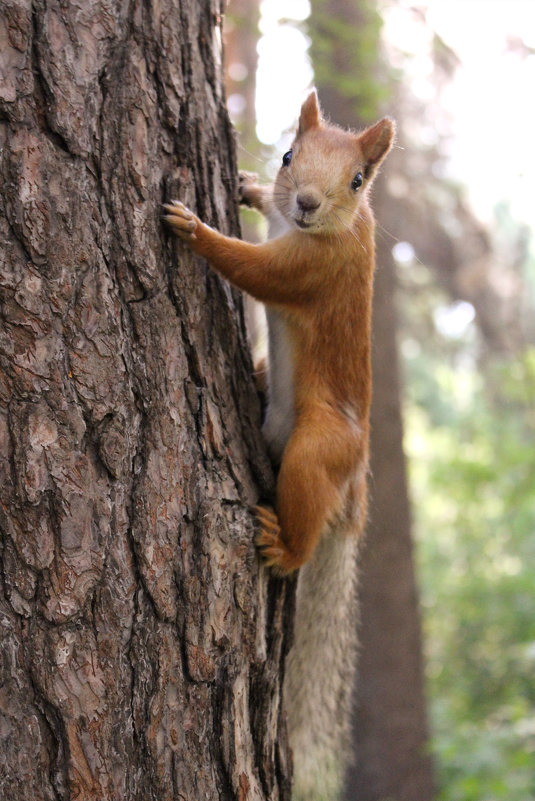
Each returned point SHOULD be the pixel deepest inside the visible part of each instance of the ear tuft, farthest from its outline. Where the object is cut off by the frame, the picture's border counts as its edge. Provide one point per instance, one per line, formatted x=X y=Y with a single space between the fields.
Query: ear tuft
x=310 y=116
x=375 y=142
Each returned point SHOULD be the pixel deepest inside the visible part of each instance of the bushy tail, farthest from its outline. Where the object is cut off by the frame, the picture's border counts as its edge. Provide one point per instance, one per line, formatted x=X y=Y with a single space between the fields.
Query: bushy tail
x=320 y=669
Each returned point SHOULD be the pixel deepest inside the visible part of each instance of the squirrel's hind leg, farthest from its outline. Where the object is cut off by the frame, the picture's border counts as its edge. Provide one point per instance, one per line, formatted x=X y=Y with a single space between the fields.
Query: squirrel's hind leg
x=311 y=490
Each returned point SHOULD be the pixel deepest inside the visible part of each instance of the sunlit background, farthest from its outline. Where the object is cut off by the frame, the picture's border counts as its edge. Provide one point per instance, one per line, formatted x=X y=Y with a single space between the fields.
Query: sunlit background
x=492 y=146
x=466 y=335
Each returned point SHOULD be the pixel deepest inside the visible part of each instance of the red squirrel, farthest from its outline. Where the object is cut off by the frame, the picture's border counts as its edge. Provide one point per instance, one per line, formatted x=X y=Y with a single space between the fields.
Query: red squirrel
x=315 y=276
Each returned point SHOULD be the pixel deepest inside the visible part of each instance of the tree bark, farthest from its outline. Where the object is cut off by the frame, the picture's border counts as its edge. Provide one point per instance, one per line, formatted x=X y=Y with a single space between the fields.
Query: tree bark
x=141 y=648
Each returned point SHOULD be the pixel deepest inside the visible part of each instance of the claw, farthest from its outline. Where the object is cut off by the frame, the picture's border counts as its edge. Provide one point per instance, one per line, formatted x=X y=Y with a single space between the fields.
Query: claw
x=180 y=218
x=268 y=519
x=274 y=551
x=178 y=209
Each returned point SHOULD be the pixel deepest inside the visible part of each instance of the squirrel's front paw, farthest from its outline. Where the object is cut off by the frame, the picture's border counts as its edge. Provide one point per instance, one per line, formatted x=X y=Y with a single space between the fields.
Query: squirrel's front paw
x=181 y=219
x=273 y=550
x=246 y=181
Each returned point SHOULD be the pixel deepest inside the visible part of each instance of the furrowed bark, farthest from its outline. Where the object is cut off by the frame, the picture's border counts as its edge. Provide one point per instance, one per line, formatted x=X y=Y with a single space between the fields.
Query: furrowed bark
x=141 y=646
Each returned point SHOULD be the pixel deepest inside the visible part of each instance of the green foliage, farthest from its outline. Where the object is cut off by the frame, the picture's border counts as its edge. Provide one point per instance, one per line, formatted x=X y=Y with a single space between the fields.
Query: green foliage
x=472 y=452
x=345 y=51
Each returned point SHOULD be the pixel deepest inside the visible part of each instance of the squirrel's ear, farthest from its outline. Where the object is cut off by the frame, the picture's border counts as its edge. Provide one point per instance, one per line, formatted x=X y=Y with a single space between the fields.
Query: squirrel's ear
x=310 y=116
x=375 y=142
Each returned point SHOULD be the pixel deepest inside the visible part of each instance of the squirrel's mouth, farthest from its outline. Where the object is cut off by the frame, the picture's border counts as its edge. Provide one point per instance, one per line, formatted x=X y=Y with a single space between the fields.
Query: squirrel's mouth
x=302 y=224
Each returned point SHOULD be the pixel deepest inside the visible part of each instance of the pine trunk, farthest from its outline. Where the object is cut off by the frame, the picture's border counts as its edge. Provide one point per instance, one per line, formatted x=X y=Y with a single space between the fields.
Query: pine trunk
x=141 y=647
x=390 y=726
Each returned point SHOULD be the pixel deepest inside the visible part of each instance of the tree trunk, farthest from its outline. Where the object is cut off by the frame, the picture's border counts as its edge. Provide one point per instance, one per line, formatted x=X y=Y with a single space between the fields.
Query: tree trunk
x=390 y=726
x=141 y=647
x=241 y=41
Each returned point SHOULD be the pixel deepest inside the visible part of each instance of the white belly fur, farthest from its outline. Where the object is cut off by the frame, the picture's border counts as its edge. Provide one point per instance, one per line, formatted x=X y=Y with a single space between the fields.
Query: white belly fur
x=280 y=414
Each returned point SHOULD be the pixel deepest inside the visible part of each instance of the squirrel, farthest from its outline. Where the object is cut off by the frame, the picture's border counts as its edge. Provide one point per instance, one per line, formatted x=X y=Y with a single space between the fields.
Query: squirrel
x=315 y=277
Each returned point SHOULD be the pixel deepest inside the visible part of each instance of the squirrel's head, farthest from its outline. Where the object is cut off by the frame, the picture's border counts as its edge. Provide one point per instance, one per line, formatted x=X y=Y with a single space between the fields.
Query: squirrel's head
x=326 y=173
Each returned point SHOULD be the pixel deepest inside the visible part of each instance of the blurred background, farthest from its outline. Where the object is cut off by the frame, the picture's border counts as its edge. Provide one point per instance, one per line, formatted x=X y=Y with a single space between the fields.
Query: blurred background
x=454 y=364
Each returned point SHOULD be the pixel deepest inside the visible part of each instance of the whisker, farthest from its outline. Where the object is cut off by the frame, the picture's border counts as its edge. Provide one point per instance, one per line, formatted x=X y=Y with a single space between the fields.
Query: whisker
x=396 y=241
x=350 y=230
x=290 y=173
x=345 y=208
x=254 y=156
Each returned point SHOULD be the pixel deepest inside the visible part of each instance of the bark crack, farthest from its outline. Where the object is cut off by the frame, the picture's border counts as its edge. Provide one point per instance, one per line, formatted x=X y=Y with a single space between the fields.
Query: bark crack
x=44 y=97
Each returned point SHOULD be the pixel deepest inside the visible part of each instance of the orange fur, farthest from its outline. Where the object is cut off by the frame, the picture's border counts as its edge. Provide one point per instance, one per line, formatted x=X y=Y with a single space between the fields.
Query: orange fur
x=318 y=276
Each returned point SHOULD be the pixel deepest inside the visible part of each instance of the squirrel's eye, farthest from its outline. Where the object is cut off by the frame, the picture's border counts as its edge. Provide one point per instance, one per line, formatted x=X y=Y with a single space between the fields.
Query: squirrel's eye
x=356 y=182
x=286 y=158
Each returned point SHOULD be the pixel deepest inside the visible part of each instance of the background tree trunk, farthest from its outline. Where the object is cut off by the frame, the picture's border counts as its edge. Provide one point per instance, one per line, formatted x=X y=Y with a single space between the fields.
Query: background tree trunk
x=390 y=726
x=140 y=646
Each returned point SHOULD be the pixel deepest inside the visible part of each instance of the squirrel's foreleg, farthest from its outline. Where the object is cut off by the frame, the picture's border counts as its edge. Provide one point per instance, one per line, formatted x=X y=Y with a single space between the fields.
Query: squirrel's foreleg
x=270 y=272
x=254 y=195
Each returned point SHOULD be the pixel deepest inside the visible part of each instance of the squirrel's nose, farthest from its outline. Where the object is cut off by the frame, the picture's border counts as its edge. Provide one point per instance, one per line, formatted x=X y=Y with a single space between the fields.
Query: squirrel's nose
x=307 y=201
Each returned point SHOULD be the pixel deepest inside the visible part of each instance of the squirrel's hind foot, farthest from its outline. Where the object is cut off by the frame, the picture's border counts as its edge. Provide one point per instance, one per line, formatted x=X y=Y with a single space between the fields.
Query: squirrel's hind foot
x=273 y=550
